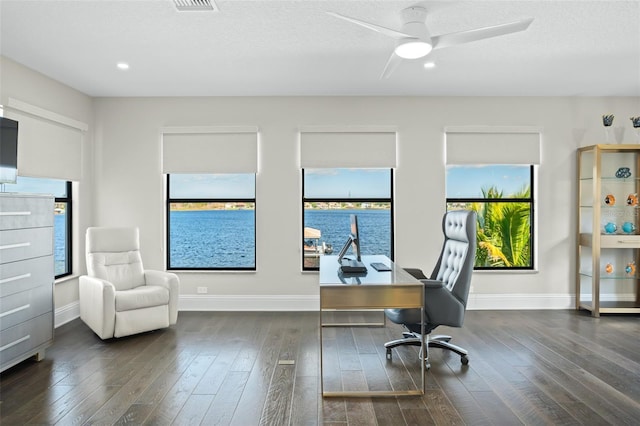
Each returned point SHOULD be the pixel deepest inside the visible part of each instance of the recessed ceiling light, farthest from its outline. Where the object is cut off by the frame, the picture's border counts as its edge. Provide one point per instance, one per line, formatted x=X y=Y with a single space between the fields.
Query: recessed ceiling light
x=123 y=66
x=429 y=65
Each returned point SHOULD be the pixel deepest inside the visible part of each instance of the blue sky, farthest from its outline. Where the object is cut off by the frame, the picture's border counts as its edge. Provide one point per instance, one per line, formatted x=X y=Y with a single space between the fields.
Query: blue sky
x=29 y=185
x=347 y=183
x=213 y=186
x=468 y=181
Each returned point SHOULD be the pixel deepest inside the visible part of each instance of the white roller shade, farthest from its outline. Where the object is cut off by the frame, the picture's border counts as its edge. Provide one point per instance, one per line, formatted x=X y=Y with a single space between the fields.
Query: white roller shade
x=210 y=150
x=348 y=148
x=493 y=145
x=47 y=148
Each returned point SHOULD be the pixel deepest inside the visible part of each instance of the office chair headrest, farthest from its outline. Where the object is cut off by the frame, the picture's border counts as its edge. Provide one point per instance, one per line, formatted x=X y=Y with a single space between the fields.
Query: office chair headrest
x=459 y=225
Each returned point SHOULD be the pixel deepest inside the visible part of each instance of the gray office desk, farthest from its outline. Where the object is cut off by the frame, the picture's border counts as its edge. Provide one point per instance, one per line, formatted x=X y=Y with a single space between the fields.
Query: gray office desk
x=373 y=290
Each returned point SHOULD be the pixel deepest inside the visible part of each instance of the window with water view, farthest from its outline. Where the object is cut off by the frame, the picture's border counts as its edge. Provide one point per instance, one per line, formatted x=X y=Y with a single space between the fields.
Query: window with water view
x=61 y=190
x=330 y=196
x=502 y=197
x=211 y=221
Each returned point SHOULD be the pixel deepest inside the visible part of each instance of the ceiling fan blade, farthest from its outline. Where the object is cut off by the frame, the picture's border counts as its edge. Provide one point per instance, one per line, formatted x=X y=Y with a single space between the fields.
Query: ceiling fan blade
x=392 y=63
x=452 y=39
x=383 y=30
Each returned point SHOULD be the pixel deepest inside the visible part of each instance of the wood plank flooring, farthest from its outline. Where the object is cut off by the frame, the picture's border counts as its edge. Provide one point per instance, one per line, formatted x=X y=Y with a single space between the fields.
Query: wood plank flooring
x=226 y=368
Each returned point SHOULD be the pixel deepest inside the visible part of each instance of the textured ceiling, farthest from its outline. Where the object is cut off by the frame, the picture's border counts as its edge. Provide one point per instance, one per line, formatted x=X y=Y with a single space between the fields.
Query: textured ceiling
x=573 y=48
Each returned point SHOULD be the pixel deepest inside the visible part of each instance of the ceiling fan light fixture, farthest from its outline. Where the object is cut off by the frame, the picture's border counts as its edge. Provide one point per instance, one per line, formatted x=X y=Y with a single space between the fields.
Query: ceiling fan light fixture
x=413 y=49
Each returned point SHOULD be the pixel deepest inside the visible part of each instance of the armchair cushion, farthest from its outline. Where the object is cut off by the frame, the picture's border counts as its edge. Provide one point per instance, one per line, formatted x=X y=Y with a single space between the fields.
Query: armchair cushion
x=124 y=270
x=145 y=296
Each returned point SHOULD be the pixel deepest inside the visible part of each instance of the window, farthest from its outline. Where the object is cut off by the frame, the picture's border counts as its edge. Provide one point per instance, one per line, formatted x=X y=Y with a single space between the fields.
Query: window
x=211 y=221
x=330 y=196
x=61 y=190
x=502 y=197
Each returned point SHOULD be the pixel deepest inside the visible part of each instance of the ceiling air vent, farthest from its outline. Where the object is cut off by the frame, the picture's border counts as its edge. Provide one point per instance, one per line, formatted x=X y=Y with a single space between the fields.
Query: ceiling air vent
x=196 y=5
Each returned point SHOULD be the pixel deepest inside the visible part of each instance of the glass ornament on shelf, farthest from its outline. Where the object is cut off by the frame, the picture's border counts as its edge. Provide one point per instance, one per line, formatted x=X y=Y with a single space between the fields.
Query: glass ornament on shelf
x=608 y=268
x=628 y=228
x=610 y=228
x=630 y=269
x=607 y=122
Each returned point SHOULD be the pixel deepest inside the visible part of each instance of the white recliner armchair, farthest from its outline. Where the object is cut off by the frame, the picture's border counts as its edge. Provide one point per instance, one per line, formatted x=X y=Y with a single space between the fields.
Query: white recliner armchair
x=118 y=297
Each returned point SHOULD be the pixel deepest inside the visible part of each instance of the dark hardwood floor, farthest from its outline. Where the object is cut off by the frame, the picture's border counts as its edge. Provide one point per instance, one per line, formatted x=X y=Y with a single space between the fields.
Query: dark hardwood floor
x=526 y=367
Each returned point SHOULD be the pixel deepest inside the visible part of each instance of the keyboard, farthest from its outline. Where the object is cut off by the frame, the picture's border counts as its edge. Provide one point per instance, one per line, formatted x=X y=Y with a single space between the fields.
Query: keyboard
x=380 y=267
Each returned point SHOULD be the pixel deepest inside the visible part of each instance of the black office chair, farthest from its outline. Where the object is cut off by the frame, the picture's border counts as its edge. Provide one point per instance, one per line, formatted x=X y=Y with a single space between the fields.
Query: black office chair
x=446 y=290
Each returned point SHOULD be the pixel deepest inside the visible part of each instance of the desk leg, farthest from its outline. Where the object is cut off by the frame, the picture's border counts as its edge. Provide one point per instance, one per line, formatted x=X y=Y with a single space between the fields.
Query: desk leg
x=321 y=360
x=369 y=394
x=424 y=348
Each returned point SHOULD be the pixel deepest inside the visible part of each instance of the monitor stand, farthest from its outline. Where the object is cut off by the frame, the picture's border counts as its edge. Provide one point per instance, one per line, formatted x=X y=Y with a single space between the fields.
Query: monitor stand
x=349 y=266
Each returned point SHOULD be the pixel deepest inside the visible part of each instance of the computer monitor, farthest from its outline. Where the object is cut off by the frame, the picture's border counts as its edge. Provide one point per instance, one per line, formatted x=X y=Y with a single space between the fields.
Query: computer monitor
x=353 y=243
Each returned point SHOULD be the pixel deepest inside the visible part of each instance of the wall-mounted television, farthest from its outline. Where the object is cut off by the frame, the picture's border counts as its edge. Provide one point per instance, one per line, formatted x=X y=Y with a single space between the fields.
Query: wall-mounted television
x=8 y=150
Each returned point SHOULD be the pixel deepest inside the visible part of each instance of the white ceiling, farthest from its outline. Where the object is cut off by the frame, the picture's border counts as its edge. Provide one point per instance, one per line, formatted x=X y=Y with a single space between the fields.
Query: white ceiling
x=254 y=48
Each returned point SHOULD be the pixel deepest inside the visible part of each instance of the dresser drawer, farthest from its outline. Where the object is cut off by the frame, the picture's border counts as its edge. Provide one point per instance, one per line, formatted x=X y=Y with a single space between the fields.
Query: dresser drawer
x=19 y=244
x=26 y=212
x=25 y=274
x=16 y=341
x=20 y=307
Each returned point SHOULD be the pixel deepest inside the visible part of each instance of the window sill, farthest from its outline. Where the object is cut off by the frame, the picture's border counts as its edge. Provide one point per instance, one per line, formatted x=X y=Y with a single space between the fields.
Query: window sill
x=66 y=278
x=205 y=271
x=504 y=272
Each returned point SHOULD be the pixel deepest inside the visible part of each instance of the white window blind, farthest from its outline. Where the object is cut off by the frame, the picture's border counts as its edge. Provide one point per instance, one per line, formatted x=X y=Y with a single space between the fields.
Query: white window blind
x=493 y=145
x=349 y=147
x=229 y=149
x=49 y=144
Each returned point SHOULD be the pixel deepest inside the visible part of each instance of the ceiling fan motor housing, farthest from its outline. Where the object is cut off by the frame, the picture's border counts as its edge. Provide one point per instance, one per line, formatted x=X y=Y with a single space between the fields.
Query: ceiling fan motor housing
x=419 y=45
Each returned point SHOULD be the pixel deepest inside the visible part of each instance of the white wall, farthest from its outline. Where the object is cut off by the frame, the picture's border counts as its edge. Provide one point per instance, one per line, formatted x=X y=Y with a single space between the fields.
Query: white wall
x=123 y=185
x=24 y=84
x=129 y=184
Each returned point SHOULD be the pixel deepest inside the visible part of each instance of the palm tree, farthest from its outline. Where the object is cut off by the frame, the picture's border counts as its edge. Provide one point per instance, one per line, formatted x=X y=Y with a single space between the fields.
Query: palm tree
x=503 y=235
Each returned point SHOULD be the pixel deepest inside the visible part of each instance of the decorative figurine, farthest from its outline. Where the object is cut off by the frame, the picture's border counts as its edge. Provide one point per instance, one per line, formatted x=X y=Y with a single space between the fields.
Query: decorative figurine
x=632 y=200
x=630 y=268
x=623 y=173
x=610 y=228
x=608 y=268
x=607 y=121
x=610 y=200
x=636 y=126
x=628 y=227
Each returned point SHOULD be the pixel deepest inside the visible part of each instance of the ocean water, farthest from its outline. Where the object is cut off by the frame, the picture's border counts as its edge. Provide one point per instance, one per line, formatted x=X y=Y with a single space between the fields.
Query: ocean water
x=212 y=239
x=224 y=238
x=59 y=237
x=374 y=227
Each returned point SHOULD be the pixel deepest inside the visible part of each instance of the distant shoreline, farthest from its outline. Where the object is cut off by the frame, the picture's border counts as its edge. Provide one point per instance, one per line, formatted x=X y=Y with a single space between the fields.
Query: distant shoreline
x=250 y=207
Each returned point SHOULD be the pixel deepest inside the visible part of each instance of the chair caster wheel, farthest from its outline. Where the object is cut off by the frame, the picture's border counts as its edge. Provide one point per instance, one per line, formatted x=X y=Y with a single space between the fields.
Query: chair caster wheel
x=464 y=360
x=389 y=355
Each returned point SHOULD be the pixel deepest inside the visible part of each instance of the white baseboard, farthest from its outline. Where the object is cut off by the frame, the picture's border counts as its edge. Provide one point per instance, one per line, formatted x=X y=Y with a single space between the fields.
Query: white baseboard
x=66 y=313
x=196 y=302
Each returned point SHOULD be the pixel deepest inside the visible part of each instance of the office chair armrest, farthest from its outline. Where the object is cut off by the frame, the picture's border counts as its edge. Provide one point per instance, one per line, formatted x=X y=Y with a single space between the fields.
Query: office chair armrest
x=416 y=273
x=432 y=284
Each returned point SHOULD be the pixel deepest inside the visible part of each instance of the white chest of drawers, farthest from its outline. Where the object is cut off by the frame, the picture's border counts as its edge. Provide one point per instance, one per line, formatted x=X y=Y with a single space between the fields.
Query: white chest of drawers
x=26 y=277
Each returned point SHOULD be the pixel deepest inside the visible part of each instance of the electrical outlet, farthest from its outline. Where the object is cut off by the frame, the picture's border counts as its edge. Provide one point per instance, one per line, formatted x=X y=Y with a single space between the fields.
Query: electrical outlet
x=202 y=290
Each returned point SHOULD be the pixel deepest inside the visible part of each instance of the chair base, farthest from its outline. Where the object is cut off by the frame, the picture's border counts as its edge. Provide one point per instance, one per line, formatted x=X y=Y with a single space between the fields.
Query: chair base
x=438 y=341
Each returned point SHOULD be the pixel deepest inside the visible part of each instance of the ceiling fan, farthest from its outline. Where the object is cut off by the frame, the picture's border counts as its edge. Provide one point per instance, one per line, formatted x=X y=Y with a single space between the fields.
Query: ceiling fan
x=414 y=40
